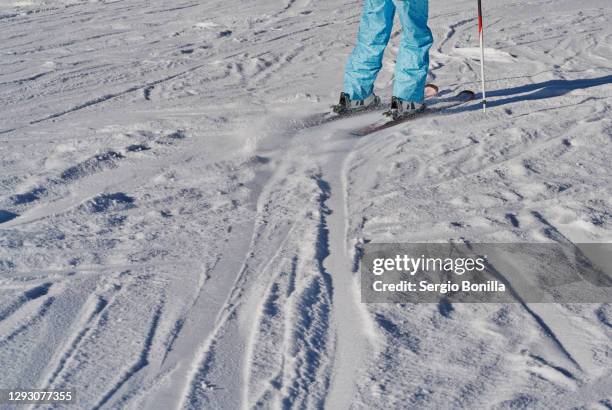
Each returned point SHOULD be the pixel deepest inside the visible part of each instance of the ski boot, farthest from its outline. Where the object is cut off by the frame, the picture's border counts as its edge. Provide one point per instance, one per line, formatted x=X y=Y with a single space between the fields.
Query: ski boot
x=347 y=106
x=403 y=109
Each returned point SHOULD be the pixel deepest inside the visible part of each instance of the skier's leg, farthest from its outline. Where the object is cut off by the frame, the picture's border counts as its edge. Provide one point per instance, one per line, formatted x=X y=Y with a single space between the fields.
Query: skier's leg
x=366 y=59
x=413 y=58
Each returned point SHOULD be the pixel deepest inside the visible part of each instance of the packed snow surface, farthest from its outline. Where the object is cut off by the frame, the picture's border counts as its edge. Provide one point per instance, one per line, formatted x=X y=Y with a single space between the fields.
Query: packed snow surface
x=176 y=231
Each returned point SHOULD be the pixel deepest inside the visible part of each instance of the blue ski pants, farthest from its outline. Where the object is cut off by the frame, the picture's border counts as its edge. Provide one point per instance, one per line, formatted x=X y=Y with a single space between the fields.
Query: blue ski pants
x=412 y=62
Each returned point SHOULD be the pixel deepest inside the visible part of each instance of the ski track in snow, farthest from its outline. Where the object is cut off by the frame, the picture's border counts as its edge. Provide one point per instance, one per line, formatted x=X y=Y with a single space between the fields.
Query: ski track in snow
x=178 y=228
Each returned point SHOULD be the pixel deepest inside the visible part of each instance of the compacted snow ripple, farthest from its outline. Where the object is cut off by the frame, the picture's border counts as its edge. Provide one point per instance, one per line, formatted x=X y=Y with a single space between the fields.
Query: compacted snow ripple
x=180 y=229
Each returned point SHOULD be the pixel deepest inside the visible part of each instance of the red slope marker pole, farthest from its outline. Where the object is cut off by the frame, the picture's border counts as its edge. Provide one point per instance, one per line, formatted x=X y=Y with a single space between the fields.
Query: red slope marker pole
x=482 y=61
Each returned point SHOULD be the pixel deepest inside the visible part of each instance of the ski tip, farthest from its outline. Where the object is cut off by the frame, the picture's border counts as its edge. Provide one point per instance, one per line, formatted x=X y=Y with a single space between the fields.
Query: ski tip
x=431 y=90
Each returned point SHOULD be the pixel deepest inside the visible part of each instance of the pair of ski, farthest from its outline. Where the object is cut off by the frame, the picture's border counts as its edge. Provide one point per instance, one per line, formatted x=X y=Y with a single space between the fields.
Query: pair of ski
x=433 y=105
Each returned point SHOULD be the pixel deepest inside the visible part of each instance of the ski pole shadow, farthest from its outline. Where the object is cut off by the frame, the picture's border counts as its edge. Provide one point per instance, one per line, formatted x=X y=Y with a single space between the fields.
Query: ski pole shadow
x=539 y=91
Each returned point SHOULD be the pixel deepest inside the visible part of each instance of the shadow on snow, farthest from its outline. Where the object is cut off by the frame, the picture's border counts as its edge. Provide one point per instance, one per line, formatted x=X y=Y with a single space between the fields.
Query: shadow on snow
x=539 y=91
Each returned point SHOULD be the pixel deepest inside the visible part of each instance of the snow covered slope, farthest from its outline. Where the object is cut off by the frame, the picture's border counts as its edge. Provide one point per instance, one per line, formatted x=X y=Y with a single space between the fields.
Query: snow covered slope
x=175 y=231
